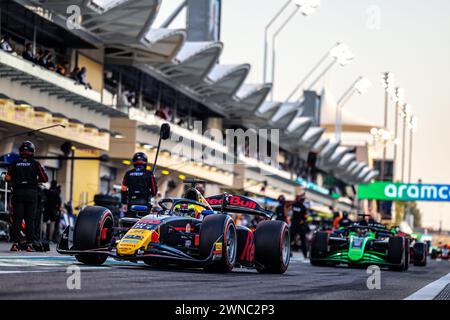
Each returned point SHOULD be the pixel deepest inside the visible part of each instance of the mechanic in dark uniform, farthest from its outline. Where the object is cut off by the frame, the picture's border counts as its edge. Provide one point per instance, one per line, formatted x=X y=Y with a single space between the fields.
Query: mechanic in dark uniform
x=25 y=175
x=52 y=210
x=280 y=210
x=299 y=223
x=138 y=185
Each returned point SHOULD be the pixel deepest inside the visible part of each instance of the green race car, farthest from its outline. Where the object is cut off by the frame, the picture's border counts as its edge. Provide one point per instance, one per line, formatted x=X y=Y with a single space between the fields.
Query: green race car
x=361 y=244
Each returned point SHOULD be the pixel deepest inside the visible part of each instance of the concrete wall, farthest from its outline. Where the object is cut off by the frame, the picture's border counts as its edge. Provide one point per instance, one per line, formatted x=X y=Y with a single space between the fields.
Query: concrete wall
x=86 y=177
x=123 y=148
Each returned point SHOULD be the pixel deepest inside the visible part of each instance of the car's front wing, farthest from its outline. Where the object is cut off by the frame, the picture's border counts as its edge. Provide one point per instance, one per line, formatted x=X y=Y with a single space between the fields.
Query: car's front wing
x=369 y=257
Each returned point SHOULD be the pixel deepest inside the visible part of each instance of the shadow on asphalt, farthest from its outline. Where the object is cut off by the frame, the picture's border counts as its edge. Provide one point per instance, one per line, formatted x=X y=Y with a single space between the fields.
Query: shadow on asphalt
x=180 y=269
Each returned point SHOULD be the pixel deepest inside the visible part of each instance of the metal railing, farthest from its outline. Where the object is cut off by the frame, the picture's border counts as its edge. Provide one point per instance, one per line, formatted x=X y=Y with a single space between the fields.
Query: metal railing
x=4 y=192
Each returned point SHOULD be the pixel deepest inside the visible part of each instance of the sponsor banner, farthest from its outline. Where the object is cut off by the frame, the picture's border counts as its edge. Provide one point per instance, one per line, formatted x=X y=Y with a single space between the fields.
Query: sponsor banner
x=315 y=187
x=404 y=192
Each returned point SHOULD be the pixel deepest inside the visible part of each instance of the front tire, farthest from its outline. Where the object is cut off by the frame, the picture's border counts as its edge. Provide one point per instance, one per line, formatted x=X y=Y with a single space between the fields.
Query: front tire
x=214 y=227
x=93 y=230
x=434 y=254
x=319 y=248
x=272 y=247
x=420 y=254
x=407 y=254
x=397 y=253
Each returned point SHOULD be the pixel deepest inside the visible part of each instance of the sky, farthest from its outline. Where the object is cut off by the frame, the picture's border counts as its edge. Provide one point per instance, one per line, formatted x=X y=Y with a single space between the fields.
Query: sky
x=410 y=38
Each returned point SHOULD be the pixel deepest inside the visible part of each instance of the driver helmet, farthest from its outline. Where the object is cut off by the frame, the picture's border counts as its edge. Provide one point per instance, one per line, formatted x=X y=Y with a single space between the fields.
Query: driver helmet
x=192 y=194
x=140 y=160
x=185 y=209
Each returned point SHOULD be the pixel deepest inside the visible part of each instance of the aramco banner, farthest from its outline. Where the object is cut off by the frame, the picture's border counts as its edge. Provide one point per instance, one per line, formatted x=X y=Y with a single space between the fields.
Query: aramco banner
x=404 y=192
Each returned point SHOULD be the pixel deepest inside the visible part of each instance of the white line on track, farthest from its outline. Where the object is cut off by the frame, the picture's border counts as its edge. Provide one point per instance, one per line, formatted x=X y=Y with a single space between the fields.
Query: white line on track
x=46 y=270
x=12 y=264
x=431 y=290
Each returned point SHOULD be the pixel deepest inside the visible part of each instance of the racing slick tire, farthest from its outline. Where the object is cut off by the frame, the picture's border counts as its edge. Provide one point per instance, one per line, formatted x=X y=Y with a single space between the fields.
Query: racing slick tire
x=93 y=230
x=434 y=254
x=420 y=254
x=319 y=248
x=272 y=247
x=214 y=227
x=106 y=200
x=407 y=254
x=397 y=253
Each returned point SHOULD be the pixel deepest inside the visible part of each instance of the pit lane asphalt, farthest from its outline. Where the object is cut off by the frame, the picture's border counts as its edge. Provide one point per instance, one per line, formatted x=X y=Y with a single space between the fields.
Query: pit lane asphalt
x=43 y=276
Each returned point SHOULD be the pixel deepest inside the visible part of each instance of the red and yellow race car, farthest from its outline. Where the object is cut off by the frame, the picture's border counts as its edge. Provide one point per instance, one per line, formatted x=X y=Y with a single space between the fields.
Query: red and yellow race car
x=192 y=231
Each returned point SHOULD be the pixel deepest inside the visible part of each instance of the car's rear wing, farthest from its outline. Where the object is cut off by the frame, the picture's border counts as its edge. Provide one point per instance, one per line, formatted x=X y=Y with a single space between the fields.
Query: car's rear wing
x=238 y=204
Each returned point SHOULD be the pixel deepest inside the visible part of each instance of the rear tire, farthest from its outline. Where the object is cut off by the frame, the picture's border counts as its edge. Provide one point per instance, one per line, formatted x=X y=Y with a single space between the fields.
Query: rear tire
x=397 y=253
x=434 y=254
x=272 y=247
x=319 y=248
x=93 y=230
x=407 y=255
x=212 y=228
x=420 y=254
x=106 y=200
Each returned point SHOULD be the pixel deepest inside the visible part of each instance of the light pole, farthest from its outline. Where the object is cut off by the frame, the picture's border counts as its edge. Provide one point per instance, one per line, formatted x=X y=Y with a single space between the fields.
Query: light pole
x=413 y=129
x=341 y=55
x=361 y=86
x=274 y=38
x=306 y=7
x=406 y=114
x=381 y=136
x=387 y=82
x=398 y=98
x=310 y=73
x=266 y=31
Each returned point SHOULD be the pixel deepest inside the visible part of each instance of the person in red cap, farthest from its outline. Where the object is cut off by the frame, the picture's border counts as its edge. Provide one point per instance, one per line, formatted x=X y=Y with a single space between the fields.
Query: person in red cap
x=25 y=174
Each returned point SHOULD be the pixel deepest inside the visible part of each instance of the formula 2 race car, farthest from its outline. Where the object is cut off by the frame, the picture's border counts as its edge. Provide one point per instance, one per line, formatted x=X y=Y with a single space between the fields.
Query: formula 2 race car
x=191 y=231
x=418 y=249
x=361 y=244
x=442 y=252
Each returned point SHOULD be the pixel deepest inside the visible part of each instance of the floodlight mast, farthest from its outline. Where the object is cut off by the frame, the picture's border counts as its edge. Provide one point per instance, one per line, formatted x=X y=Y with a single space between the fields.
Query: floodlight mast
x=398 y=97
x=387 y=82
x=266 y=31
x=406 y=115
x=360 y=85
x=341 y=54
x=310 y=73
x=306 y=7
x=413 y=129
